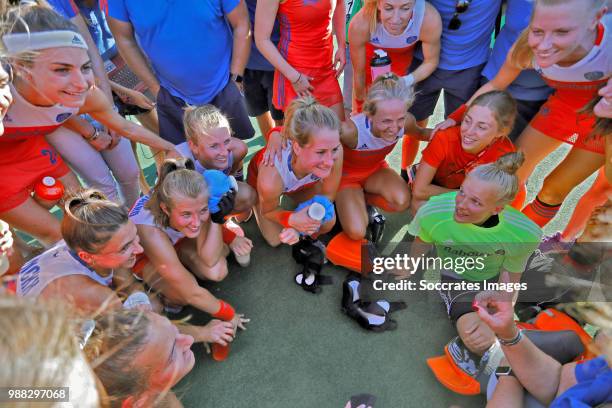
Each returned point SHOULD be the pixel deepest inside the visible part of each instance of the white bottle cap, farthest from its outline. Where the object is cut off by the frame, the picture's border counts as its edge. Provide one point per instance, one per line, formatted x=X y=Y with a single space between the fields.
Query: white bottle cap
x=233 y=183
x=316 y=211
x=48 y=181
x=380 y=53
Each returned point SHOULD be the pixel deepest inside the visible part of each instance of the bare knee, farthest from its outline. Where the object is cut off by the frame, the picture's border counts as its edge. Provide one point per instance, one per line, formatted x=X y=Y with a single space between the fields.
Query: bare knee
x=218 y=272
x=355 y=232
x=401 y=200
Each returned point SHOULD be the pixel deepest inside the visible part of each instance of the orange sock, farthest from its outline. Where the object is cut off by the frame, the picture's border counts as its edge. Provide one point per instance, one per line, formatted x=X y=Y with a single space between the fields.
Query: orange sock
x=519 y=201
x=541 y=213
x=597 y=195
x=410 y=148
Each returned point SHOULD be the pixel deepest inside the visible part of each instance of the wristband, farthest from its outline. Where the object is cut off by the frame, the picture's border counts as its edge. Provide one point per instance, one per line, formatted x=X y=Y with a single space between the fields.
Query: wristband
x=457 y=115
x=278 y=129
x=93 y=135
x=408 y=80
x=225 y=312
x=513 y=341
x=136 y=299
x=228 y=235
x=283 y=218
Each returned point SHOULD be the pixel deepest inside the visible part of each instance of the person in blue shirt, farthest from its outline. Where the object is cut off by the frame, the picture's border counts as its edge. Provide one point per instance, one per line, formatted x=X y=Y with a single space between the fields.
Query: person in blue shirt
x=258 y=81
x=186 y=53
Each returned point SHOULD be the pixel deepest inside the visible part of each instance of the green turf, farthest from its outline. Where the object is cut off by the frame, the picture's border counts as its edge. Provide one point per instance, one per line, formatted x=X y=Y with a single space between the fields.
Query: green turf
x=301 y=351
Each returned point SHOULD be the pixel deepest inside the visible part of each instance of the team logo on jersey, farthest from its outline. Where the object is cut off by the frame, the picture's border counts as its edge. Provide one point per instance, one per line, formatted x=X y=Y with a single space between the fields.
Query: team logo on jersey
x=62 y=117
x=375 y=40
x=594 y=76
x=411 y=39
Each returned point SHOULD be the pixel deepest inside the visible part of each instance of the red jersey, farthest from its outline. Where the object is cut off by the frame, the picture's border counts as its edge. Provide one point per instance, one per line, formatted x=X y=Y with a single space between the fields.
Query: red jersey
x=306 y=32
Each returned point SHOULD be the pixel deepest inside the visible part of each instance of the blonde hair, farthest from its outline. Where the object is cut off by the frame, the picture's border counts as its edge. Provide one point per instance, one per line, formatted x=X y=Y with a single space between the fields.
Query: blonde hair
x=91 y=220
x=199 y=120
x=176 y=177
x=384 y=88
x=303 y=116
x=503 y=106
x=502 y=173
x=39 y=348
x=522 y=54
x=117 y=338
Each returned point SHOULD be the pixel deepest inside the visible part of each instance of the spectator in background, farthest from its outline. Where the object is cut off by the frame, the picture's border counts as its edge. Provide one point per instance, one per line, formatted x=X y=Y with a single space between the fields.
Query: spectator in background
x=466 y=36
x=528 y=89
x=259 y=81
x=193 y=57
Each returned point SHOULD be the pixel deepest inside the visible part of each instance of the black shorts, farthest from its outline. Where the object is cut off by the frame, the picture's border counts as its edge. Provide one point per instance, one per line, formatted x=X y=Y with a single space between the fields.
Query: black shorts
x=457 y=302
x=170 y=110
x=458 y=86
x=258 y=87
x=126 y=109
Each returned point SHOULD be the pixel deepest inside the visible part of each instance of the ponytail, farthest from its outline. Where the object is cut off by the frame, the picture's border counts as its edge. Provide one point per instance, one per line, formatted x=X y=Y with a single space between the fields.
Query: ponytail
x=502 y=173
x=386 y=87
x=176 y=177
x=90 y=220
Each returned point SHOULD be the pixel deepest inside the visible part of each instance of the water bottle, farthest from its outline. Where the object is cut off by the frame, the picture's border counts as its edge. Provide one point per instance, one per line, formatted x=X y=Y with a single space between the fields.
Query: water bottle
x=49 y=189
x=316 y=211
x=380 y=64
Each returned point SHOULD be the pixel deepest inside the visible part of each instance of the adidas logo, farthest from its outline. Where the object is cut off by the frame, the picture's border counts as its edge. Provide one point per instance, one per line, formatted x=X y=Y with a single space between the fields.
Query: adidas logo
x=364 y=146
x=76 y=40
x=375 y=40
x=573 y=138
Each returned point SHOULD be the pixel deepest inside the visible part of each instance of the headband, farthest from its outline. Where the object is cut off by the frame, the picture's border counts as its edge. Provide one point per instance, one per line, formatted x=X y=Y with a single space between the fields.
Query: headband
x=20 y=42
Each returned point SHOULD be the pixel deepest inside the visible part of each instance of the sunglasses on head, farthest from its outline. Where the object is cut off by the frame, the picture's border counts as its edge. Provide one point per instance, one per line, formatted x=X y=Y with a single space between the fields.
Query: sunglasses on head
x=460 y=7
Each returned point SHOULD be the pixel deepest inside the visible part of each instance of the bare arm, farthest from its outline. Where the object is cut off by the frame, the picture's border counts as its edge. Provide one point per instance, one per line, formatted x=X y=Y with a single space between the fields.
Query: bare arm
x=508 y=394
x=359 y=35
x=263 y=28
x=431 y=30
x=84 y=293
x=339 y=25
x=423 y=188
x=101 y=109
x=506 y=75
x=270 y=189
x=123 y=33
x=163 y=257
x=94 y=54
x=239 y=20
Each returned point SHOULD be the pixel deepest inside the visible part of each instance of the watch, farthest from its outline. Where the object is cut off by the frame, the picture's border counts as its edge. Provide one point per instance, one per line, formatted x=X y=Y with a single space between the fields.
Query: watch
x=504 y=371
x=236 y=78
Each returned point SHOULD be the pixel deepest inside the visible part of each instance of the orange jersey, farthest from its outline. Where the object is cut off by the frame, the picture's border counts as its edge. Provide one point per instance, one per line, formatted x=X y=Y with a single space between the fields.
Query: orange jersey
x=444 y=152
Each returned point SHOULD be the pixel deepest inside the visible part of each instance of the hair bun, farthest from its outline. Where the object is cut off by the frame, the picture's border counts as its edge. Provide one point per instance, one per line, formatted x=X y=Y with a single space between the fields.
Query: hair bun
x=510 y=162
